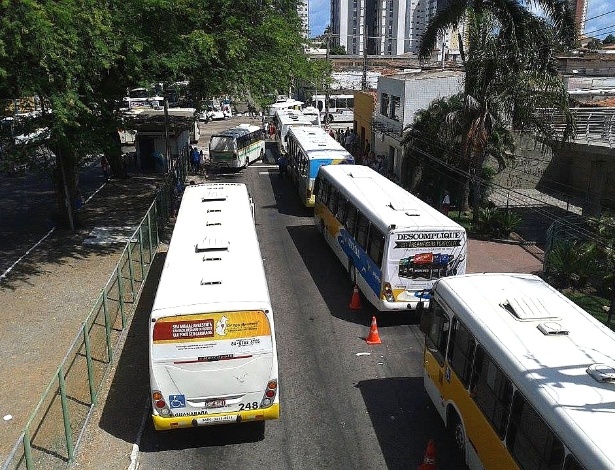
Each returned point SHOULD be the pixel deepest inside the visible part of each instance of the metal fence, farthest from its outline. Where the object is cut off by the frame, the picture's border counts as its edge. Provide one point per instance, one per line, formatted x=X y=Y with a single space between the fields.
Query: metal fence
x=57 y=424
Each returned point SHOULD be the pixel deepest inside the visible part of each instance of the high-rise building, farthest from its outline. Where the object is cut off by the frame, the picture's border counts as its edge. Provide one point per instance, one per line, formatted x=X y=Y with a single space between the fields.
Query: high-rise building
x=580 y=14
x=392 y=27
x=303 y=10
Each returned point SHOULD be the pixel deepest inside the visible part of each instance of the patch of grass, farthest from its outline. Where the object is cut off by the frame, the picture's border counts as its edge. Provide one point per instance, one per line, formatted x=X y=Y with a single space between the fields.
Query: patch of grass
x=462 y=218
x=590 y=302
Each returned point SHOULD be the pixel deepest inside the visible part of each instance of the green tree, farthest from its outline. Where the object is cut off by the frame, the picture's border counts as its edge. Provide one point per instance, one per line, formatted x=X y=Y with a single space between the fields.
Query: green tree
x=610 y=39
x=604 y=227
x=510 y=73
x=78 y=58
x=594 y=44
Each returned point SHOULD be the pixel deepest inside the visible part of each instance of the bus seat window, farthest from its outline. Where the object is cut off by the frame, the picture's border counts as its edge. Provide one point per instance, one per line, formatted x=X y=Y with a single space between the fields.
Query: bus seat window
x=436 y=331
x=326 y=191
x=318 y=187
x=529 y=439
x=332 y=205
x=362 y=228
x=492 y=391
x=342 y=208
x=376 y=245
x=351 y=219
x=461 y=352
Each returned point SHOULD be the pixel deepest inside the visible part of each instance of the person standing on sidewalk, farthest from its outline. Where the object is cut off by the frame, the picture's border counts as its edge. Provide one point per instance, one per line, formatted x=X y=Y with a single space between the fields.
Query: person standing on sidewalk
x=104 y=164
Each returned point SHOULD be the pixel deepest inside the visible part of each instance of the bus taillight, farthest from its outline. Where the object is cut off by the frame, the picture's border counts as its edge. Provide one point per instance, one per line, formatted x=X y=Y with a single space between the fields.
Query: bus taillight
x=270 y=393
x=158 y=400
x=387 y=292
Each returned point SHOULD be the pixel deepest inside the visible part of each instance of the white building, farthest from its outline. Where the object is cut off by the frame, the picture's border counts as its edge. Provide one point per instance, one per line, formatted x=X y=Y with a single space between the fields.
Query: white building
x=393 y=27
x=399 y=97
x=303 y=10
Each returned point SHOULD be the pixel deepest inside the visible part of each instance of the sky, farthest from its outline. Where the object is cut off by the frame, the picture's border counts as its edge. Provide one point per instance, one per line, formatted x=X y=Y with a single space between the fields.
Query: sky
x=319 y=16
x=600 y=18
x=597 y=26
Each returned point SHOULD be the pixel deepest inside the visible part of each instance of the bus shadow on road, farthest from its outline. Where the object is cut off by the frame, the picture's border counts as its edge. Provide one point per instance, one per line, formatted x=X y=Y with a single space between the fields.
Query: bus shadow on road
x=333 y=282
x=404 y=421
x=287 y=200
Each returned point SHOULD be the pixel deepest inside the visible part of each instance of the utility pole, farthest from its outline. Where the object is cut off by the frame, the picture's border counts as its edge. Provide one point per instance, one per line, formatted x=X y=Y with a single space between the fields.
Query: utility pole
x=365 y=42
x=326 y=120
x=166 y=138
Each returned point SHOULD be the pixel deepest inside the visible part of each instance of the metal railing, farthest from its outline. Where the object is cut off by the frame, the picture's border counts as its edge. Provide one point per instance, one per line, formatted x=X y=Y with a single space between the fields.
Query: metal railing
x=591 y=125
x=57 y=424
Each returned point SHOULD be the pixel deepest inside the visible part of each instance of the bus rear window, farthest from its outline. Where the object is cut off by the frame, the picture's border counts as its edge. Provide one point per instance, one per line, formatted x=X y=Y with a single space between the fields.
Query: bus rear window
x=221 y=144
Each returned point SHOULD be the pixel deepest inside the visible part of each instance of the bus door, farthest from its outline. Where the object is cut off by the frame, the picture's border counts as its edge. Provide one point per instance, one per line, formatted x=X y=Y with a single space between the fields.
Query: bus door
x=214 y=363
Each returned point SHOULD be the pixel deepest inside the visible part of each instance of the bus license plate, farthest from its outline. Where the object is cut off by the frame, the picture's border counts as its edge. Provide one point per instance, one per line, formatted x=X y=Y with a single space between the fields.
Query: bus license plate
x=215 y=404
x=217 y=419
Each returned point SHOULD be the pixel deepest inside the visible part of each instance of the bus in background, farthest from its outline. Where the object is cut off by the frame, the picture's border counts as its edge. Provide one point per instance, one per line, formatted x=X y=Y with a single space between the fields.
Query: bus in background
x=393 y=245
x=237 y=147
x=283 y=120
x=312 y=114
x=522 y=377
x=309 y=148
x=212 y=346
x=341 y=108
x=284 y=102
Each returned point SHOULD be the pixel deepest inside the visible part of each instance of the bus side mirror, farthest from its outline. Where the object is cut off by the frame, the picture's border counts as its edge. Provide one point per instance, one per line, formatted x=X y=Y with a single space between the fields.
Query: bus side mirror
x=426 y=317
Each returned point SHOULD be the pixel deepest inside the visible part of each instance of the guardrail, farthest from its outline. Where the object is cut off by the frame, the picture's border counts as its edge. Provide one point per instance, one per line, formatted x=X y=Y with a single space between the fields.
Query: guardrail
x=591 y=126
x=57 y=424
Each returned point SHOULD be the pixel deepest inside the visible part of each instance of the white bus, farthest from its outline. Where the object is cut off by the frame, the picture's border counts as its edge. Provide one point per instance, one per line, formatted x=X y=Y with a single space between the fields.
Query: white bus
x=393 y=245
x=237 y=147
x=523 y=377
x=284 y=119
x=341 y=107
x=309 y=148
x=212 y=346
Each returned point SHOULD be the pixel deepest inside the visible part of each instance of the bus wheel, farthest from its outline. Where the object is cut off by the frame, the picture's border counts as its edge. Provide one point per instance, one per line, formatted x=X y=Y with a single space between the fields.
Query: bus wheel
x=458 y=433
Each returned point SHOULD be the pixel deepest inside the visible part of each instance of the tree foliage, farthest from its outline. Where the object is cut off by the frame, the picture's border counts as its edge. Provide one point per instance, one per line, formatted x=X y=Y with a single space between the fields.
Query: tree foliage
x=78 y=57
x=510 y=73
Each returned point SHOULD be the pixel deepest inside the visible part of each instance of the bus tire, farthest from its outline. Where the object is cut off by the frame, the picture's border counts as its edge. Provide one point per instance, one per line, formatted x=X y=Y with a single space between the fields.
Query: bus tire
x=455 y=427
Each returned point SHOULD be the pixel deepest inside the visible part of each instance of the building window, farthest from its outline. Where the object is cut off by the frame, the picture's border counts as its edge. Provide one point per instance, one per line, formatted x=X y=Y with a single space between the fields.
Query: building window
x=395 y=108
x=384 y=104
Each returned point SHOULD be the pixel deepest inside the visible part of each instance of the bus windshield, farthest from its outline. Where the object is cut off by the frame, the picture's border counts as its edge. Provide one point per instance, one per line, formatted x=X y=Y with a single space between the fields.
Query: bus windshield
x=222 y=144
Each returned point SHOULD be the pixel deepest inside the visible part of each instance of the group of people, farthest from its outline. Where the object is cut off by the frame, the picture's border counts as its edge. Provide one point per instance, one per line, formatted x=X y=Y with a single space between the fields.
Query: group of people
x=196 y=160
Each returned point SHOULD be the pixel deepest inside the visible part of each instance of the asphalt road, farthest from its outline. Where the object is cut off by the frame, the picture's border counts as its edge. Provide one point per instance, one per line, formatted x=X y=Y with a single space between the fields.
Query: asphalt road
x=344 y=404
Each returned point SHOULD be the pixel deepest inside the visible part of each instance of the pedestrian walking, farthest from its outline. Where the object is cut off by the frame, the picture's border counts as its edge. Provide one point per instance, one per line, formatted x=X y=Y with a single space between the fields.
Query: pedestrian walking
x=446 y=203
x=195 y=158
x=282 y=166
x=104 y=164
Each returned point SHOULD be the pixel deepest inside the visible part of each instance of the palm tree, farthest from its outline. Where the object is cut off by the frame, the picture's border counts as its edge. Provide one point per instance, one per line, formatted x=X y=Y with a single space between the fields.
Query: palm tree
x=425 y=136
x=510 y=73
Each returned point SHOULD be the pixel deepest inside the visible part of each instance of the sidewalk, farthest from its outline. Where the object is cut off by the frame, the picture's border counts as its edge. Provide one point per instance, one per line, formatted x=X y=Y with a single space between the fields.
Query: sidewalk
x=48 y=295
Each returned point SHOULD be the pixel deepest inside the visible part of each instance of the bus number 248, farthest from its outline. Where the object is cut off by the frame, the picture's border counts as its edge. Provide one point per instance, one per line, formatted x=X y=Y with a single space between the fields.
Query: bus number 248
x=248 y=406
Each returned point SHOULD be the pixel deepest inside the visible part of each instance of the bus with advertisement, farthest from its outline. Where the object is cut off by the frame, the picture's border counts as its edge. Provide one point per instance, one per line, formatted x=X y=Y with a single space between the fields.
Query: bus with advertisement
x=212 y=345
x=236 y=148
x=522 y=377
x=393 y=245
x=309 y=148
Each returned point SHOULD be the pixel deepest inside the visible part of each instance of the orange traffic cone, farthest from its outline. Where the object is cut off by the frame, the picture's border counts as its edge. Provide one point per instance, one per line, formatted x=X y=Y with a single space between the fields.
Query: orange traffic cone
x=429 y=460
x=373 y=337
x=355 y=301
